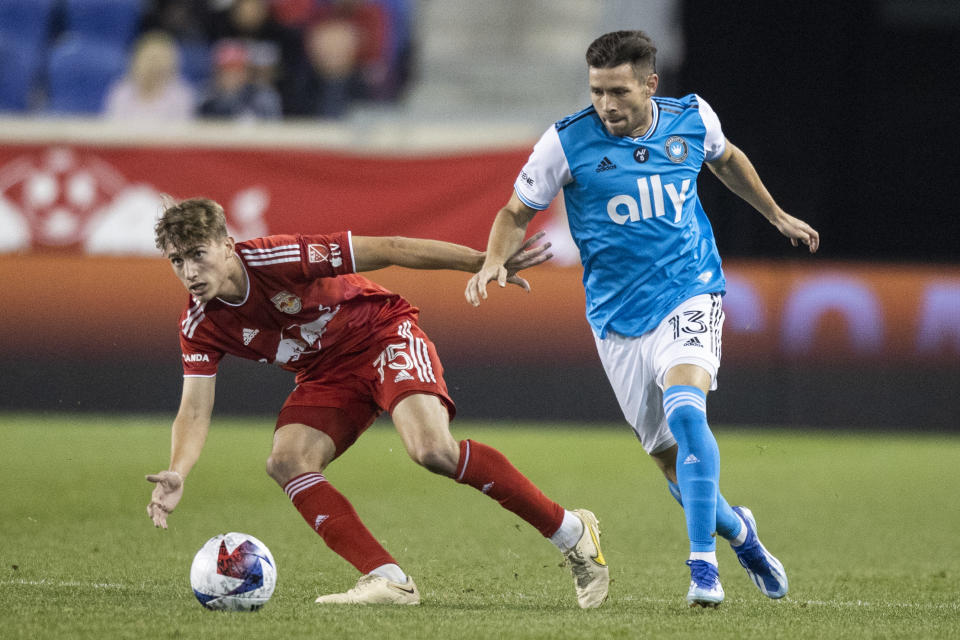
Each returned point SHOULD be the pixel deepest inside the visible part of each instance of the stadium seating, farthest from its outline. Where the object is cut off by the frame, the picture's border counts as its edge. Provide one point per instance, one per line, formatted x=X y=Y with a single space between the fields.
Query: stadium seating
x=18 y=73
x=196 y=62
x=80 y=71
x=399 y=41
x=27 y=20
x=113 y=21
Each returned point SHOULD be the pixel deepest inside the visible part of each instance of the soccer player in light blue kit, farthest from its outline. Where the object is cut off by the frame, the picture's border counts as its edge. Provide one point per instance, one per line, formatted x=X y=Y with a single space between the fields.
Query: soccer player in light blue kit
x=628 y=168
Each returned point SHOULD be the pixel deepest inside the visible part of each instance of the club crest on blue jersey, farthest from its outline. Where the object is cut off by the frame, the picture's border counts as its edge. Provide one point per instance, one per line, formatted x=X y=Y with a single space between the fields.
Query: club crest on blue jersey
x=676 y=148
x=641 y=154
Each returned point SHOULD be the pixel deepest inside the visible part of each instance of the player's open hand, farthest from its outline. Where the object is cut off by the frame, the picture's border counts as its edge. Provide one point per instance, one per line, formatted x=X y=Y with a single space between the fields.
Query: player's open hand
x=167 y=492
x=798 y=231
x=527 y=256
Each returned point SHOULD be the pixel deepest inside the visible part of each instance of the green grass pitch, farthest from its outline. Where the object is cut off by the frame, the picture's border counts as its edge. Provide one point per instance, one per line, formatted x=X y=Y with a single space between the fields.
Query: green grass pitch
x=866 y=525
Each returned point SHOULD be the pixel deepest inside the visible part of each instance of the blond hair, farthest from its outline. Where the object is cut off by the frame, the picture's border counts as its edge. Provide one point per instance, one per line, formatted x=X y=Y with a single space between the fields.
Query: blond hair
x=189 y=223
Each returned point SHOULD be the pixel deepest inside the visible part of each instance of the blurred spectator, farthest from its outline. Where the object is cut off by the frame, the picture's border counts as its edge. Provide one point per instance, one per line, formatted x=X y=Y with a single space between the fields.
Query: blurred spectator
x=235 y=94
x=274 y=50
x=186 y=20
x=153 y=87
x=345 y=43
x=294 y=13
x=386 y=49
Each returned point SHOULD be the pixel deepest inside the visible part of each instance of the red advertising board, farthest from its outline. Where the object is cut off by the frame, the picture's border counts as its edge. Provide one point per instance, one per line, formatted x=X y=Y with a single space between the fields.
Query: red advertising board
x=82 y=198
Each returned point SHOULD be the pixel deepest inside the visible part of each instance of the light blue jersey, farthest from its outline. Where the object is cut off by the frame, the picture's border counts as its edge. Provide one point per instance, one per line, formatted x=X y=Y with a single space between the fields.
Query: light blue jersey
x=645 y=242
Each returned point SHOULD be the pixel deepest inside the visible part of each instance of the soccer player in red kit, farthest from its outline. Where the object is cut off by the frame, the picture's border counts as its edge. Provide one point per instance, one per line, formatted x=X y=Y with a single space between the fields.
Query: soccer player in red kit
x=356 y=349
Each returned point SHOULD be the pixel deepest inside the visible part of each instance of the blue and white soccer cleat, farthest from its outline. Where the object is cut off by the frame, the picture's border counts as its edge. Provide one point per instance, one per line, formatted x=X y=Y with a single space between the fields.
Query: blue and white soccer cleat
x=705 y=589
x=766 y=571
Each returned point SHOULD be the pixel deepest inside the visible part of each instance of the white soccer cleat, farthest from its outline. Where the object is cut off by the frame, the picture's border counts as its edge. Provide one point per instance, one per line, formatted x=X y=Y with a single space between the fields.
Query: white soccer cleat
x=705 y=588
x=591 y=576
x=373 y=589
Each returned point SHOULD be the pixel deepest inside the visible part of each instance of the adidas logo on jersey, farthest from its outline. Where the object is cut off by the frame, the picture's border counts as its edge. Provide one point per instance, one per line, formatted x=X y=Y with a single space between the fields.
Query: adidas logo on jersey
x=249 y=335
x=605 y=165
x=403 y=375
x=693 y=342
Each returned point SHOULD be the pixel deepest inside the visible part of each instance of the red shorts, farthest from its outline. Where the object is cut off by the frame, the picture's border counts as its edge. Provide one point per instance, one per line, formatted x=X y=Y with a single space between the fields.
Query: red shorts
x=345 y=398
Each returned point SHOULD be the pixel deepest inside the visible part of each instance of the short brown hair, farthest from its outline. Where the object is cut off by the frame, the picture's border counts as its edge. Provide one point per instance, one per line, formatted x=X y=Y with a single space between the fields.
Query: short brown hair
x=188 y=223
x=623 y=47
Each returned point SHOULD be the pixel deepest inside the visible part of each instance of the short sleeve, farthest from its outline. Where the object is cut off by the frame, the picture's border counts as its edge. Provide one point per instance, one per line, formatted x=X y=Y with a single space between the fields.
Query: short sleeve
x=545 y=173
x=198 y=359
x=327 y=255
x=299 y=256
x=714 y=142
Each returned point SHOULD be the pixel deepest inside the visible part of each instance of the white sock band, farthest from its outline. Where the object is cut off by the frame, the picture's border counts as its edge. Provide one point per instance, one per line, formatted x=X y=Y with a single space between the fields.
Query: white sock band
x=391 y=572
x=569 y=533
x=708 y=556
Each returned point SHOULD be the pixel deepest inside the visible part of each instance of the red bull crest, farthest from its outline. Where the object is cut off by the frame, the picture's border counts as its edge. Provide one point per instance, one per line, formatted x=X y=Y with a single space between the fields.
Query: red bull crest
x=287 y=302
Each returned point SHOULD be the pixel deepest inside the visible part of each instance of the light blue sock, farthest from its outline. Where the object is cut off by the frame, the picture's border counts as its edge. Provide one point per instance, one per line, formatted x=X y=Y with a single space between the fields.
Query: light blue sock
x=728 y=523
x=675 y=492
x=698 y=462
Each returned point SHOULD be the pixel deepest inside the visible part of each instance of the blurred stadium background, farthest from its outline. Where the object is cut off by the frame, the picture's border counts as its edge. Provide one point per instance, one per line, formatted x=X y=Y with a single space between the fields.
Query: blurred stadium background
x=845 y=108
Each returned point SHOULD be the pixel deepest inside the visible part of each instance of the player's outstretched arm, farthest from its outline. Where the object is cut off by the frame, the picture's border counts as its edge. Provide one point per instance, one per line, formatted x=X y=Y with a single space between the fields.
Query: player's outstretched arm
x=188 y=434
x=738 y=174
x=376 y=252
x=506 y=240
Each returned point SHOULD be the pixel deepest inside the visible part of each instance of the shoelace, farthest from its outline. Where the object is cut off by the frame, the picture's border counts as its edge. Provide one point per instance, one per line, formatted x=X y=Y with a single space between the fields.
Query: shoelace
x=361 y=583
x=752 y=556
x=703 y=573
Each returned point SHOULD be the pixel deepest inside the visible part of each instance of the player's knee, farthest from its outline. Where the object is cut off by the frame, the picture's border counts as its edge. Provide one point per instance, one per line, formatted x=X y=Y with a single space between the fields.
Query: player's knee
x=282 y=466
x=437 y=456
x=276 y=467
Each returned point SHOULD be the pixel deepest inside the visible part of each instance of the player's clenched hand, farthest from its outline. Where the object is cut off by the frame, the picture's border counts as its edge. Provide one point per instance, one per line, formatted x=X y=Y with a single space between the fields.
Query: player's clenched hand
x=527 y=257
x=477 y=286
x=167 y=492
x=798 y=231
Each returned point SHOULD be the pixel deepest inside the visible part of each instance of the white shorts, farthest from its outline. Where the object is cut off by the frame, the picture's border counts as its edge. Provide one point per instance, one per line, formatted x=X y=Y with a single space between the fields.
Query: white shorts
x=636 y=366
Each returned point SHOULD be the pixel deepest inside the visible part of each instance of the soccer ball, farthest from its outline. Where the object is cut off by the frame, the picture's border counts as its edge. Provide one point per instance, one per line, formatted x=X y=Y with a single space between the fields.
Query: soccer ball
x=233 y=572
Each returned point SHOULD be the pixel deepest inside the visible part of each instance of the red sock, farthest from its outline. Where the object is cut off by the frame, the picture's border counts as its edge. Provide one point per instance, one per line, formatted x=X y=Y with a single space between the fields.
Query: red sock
x=487 y=470
x=334 y=518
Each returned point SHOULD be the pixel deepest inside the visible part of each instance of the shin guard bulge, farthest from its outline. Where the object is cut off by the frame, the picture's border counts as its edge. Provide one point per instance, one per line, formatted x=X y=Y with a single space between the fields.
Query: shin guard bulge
x=333 y=517
x=698 y=462
x=490 y=472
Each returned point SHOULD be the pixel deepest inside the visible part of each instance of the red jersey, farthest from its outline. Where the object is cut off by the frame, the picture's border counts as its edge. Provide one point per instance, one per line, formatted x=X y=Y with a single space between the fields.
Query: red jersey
x=304 y=307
